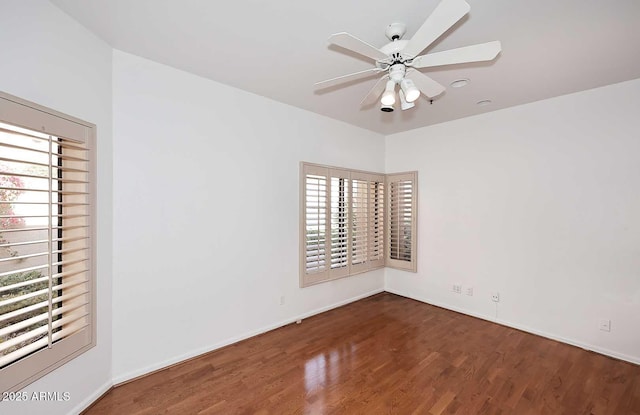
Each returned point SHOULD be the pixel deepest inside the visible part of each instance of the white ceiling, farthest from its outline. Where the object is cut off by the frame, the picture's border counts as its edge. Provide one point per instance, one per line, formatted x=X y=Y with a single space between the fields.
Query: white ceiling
x=279 y=48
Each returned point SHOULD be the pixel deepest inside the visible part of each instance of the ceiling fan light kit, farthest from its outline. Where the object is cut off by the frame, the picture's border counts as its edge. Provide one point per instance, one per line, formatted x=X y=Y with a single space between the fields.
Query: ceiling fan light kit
x=409 y=89
x=389 y=95
x=400 y=61
x=404 y=104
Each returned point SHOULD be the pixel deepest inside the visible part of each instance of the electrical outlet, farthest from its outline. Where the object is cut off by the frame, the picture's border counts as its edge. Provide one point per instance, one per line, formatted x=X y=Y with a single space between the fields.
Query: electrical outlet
x=469 y=291
x=495 y=297
x=605 y=325
x=282 y=300
x=457 y=288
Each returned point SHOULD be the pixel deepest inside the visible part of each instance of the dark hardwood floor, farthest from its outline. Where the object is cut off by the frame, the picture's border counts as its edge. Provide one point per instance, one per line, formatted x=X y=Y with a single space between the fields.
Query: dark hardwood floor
x=387 y=355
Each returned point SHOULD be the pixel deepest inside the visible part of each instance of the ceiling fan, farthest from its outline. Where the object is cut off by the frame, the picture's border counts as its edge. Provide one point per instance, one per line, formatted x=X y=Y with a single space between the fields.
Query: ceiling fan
x=400 y=59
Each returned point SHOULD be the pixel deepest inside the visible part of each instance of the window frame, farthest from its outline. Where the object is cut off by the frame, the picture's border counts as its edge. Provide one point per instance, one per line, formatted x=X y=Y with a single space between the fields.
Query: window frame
x=22 y=113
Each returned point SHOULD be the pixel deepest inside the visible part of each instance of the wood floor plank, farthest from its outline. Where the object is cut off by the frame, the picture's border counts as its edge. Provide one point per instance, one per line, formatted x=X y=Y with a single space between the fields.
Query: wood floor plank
x=387 y=355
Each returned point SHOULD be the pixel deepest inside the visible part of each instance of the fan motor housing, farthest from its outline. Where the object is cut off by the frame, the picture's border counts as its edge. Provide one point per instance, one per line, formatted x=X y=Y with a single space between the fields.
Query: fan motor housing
x=397 y=72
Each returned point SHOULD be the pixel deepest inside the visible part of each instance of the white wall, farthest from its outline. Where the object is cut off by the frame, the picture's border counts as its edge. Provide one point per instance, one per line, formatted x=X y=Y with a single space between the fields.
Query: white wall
x=539 y=202
x=50 y=59
x=206 y=213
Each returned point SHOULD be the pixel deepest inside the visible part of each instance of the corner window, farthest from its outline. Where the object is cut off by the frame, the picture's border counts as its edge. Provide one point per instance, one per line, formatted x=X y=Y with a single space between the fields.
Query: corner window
x=343 y=214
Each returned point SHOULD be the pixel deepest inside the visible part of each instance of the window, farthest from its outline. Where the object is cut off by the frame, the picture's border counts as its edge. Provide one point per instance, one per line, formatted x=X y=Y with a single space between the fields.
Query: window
x=343 y=224
x=47 y=306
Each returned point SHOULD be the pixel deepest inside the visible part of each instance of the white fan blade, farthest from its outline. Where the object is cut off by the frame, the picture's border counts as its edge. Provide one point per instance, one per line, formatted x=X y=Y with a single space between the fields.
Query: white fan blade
x=446 y=14
x=475 y=53
x=345 y=78
x=426 y=85
x=375 y=92
x=348 y=41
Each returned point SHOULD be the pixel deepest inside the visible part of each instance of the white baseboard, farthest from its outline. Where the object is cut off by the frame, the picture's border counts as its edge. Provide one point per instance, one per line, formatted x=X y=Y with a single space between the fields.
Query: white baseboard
x=91 y=398
x=573 y=342
x=197 y=352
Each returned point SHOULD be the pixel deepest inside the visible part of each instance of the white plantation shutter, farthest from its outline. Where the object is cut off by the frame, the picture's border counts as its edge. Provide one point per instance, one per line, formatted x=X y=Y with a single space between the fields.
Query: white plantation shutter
x=316 y=216
x=315 y=193
x=46 y=278
x=401 y=221
x=367 y=220
x=342 y=222
x=376 y=221
x=339 y=241
x=359 y=222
